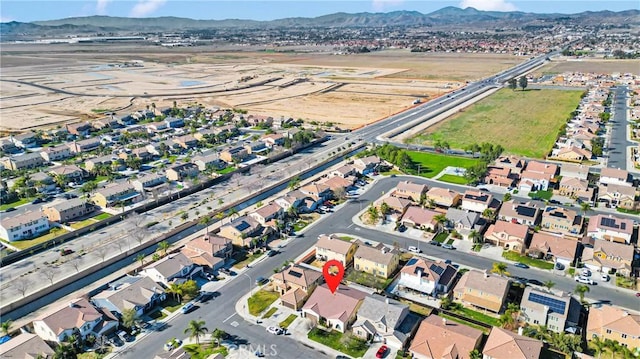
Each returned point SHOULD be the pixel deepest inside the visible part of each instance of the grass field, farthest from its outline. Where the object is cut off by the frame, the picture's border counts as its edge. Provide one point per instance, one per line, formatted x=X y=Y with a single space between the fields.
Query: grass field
x=334 y=339
x=261 y=300
x=433 y=163
x=53 y=233
x=453 y=179
x=16 y=203
x=287 y=322
x=538 y=263
x=524 y=122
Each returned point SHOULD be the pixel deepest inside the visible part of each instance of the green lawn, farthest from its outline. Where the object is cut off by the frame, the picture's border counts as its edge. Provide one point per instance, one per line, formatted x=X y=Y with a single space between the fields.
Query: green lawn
x=440 y=237
x=481 y=317
x=457 y=320
x=157 y=315
x=171 y=304
x=390 y=172
x=433 y=163
x=523 y=122
x=204 y=351
x=299 y=225
x=81 y=224
x=226 y=170
x=244 y=258
x=453 y=179
x=261 y=300
x=25 y=244
x=270 y=312
x=287 y=322
x=346 y=238
x=16 y=203
x=417 y=308
x=541 y=195
x=628 y=211
x=538 y=263
x=353 y=347
x=102 y=216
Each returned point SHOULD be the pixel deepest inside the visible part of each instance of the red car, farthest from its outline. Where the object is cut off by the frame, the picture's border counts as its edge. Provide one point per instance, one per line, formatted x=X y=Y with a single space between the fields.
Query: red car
x=382 y=351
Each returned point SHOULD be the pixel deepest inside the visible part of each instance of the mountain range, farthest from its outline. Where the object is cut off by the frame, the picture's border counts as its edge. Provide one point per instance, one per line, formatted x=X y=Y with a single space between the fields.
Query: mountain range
x=445 y=17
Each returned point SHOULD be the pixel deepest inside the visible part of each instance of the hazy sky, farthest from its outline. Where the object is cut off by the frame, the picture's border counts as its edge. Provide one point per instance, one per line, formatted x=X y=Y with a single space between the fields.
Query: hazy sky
x=25 y=10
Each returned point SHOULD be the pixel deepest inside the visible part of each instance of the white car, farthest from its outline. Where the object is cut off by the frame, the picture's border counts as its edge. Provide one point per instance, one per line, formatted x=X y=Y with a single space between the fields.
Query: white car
x=605 y=277
x=274 y=330
x=584 y=280
x=414 y=249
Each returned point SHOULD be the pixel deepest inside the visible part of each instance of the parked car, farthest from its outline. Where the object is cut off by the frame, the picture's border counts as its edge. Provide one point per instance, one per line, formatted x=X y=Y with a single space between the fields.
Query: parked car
x=10 y=209
x=66 y=252
x=435 y=243
x=585 y=273
x=204 y=297
x=261 y=280
x=521 y=265
x=187 y=308
x=126 y=336
x=448 y=246
x=605 y=277
x=226 y=271
x=382 y=351
x=534 y=282
x=37 y=200
x=274 y=330
x=414 y=249
x=172 y=344
x=559 y=266
x=272 y=253
x=584 y=280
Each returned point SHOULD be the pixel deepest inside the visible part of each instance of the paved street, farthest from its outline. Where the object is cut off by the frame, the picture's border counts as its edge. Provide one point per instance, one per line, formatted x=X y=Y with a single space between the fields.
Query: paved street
x=618 y=140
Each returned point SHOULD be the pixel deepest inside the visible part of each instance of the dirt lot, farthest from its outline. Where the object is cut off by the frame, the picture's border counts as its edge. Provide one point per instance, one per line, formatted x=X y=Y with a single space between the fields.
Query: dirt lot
x=588 y=65
x=71 y=83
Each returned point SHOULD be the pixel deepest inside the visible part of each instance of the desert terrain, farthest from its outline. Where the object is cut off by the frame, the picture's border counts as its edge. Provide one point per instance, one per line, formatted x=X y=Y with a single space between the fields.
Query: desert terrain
x=47 y=85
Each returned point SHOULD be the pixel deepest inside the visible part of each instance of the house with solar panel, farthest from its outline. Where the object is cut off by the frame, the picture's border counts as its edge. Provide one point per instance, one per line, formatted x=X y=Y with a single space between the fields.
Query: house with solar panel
x=610 y=228
x=241 y=231
x=427 y=277
x=559 y=313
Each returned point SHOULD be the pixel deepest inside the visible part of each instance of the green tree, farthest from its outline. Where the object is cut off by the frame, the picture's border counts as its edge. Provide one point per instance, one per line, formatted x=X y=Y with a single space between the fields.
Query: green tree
x=475 y=354
x=196 y=329
x=140 y=258
x=440 y=219
x=6 y=326
x=64 y=351
x=549 y=284
x=373 y=213
x=581 y=290
x=507 y=197
x=88 y=187
x=475 y=236
x=598 y=346
x=384 y=209
x=190 y=289
x=218 y=335
x=489 y=214
x=513 y=83
x=175 y=289
x=585 y=207
x=523 y=82
x=500 y=268
x=130 y=318
x=294 y=183
x=164 y=247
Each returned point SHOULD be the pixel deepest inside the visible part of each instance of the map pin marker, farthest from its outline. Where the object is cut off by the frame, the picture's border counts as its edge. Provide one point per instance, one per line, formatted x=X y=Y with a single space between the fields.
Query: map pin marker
x=332 y=278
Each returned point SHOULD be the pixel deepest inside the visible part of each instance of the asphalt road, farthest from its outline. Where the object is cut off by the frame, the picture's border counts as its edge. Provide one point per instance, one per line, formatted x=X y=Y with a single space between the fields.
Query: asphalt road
x=618 y=143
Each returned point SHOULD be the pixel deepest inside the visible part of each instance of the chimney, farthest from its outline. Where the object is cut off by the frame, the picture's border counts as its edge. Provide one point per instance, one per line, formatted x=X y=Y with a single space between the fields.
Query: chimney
x=520 y=330
x=444 y=321
x=72 y=304
x=486 y=275
x=625 y=313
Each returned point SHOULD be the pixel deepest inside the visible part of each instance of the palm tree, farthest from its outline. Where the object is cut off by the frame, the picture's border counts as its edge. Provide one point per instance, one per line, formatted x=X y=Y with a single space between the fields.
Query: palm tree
x=292 y=212
x=232 y=212
x=506 y=197
x=6 y=326
x=373 y=213
x=130 y=318
x=475 y=236
x=549 y=284
x=598 y=345
x=440 y=219
x=164 y=247
x=176 y=290
x=581 y=289
x=140 y=258
x=217 y=335
x=294 y=183
x=64 y=351
x=205 y=221
x=500 y=268
x=489 y=213
x=585 y=207
x=195 y=329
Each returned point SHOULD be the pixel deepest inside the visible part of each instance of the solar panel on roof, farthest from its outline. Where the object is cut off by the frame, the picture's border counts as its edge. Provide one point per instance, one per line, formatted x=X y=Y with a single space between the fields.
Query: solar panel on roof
x=437 y=269
x=555 y=305
x=412 y=261
x=242 y=226
x=623 y=226
x=295 y=274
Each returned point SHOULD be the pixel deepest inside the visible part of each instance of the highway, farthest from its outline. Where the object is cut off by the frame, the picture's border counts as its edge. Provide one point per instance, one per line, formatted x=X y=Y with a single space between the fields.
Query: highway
x=224 y=316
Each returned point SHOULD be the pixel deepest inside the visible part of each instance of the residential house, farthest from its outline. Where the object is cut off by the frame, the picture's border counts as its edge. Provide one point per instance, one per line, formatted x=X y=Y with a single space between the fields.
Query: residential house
x=78 y=317
x=331 y=247
x=338 y=183
x=420 y=218
x=575 y=188
x=378 y=260
x=138 y=293
x=614 y=176
x=186 y=141
x=553 y=246
x=464 y=222
x=109 y=160
x=151 y=182
x=208 y=162
x=610 y=228
x=439 y=338
x=173 y=122
x=7 y=146
x=71 y=172
x=573 y=154
x=520 y=212
x=443 y=197
x=27 y=160
x=557 y=312
x=241 y=230
x=540 y=167
x=366 y=165
x=43 y=182
x=290 y=199
x=208 y=250
x=180 y=353
x=500 y=176
x=86 y=145
x=67 y=210
x=561 y=220
x=397 y=205
x=617 y=195
x=614 y=323
x=80 y=129
x=142 y=153
x=25 y=140
x=55 y=153
x=508 y=235
x=182 y=171
x=294 y=284
x=117 y=194
x=537 y=176
x=515 y=164
x=476 y=201
x=256 y=147
x=410 y=190
x=605 y=256
x=574 y=171
x=426 y=276
x=256 y=120
x=267 y=213
x=26 y=345
x=273 y=139
x=482 y=290
x=386 y=320
x=171 y=267
x=318 y=190
x=504 y=344
x=23 y=226
x=235 y=154
x=106 y=122
x=335 y=310
x=344 y=171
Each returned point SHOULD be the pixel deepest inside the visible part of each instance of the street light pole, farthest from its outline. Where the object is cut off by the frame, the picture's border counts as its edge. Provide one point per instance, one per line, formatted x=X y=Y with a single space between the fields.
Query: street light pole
x=250 y=289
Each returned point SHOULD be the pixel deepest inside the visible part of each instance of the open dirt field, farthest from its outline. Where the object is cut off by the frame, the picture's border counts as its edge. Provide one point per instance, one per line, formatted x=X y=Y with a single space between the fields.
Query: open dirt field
x=590 y=65
x=76 y=83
